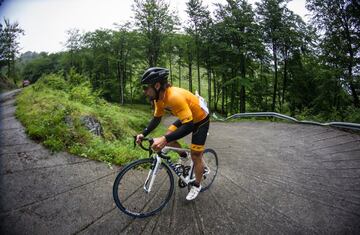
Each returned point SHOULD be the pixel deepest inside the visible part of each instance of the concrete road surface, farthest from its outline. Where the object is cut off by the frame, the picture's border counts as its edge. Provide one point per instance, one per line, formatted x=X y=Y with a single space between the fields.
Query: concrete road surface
x=274 y=178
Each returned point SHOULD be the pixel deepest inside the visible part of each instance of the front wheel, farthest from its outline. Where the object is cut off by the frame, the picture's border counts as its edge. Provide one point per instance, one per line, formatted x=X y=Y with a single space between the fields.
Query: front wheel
x=130 y=195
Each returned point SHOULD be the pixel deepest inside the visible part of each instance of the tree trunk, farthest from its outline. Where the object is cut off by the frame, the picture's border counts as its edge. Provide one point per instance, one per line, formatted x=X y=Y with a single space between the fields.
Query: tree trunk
x=222 y=99
x=275 y=79
x=216 y=99
x=232 y=99
x=170 y=61
x=131 y=85
x=179 y=73
x=284 y=82
x=226 y=95
x=209 y=86
x=242 y=100
x=209 y=76
x=198 y=69
x=190 y=76
x=242 y=87
x=125 y=72
x=266 y=88
x=119 y=74
x=190 y=59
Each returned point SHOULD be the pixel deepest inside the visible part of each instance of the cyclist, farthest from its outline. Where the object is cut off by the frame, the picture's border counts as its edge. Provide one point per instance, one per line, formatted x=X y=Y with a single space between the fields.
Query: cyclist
x=192 y=114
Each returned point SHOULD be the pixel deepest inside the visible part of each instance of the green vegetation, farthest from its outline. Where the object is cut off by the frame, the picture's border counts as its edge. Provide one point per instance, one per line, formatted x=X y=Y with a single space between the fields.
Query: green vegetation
x=51 y=111
x=241 y=58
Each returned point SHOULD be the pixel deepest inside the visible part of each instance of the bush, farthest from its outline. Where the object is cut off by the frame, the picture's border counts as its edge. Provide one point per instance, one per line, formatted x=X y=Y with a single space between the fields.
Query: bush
x=52 y=81
x=352 y=115
x=51 y=111
x=75 y=79
x=83 y=94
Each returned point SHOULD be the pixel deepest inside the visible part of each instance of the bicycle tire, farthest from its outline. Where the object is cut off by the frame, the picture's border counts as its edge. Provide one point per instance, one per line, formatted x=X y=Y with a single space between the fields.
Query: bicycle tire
x=126 y=195
x=211 y=160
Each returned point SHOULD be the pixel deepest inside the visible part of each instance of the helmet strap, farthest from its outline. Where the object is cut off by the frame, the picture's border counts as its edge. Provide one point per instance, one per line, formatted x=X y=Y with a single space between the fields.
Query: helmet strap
x=157 y=93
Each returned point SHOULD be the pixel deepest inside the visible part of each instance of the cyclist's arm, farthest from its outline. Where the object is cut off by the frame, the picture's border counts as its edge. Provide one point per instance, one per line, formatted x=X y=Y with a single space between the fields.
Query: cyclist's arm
x=152 y=125
x=182 y=110
x=182 y=131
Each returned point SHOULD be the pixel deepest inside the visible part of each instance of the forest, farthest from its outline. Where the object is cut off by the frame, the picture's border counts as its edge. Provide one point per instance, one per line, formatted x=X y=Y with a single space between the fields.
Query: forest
x=240 y=57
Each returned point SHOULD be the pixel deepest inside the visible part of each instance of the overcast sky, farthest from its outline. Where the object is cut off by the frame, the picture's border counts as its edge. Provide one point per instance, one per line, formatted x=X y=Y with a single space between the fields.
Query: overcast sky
x=46 y=21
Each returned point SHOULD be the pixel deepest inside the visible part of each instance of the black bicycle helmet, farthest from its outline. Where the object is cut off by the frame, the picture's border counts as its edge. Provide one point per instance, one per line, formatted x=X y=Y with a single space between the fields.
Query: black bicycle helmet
x=154 y=75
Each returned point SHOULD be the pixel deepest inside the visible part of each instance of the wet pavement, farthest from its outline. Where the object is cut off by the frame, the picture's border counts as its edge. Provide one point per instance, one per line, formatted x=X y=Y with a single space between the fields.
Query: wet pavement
x=274 y=178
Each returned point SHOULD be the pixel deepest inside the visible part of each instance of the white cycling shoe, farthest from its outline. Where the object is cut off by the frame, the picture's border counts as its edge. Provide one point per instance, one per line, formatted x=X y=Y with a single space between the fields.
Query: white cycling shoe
x=194 y=192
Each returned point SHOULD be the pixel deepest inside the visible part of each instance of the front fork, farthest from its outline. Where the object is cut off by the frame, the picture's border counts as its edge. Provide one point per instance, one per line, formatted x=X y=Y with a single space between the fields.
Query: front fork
x=152 y=174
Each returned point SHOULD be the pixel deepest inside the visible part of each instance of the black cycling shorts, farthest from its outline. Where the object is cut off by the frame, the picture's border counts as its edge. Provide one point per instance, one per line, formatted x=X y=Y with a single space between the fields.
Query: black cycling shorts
x=199 y=133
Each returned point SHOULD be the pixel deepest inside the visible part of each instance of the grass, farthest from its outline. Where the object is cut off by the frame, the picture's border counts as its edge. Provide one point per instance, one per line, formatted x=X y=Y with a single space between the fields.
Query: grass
x=51 y=111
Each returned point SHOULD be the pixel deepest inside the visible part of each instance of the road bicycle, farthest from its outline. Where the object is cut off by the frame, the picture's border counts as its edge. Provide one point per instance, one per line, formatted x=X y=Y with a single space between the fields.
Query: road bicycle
x=144 y=187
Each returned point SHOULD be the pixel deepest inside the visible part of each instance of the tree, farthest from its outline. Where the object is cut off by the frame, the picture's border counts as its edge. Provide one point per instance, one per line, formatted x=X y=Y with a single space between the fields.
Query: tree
x=237 y=28
x=189 y=58
x=271 y=13
x=98 y=44
x=338 y=23
x=73 y=44
x=126 y=56
x=154 y=19
x=42 y=64
x=121 y=54
x=199 y=16
x=169 y=47
x=295 y=38
x=180 y=52
x=207 y=36
x=9 y=46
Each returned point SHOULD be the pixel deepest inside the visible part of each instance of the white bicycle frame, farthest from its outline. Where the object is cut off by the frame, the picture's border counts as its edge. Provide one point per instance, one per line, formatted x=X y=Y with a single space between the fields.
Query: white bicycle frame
x=152 y=173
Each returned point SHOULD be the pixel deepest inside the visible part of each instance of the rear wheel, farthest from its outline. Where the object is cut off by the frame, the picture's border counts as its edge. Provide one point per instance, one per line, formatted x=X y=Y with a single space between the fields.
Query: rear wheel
x=211 y=168
x=129 y=193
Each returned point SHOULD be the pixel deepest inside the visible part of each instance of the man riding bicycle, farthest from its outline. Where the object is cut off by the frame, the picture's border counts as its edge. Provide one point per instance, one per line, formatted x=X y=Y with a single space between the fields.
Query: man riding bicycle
x=192 y=115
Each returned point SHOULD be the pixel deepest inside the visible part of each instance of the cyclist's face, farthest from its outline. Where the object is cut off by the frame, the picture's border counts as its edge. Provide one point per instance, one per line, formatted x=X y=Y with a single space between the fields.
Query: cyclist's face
x=149 y=91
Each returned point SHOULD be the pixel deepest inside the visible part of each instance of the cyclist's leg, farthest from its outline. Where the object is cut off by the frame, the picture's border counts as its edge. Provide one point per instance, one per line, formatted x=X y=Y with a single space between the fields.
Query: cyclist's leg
x=175 y=143
x=197 y=147
x=196 y=157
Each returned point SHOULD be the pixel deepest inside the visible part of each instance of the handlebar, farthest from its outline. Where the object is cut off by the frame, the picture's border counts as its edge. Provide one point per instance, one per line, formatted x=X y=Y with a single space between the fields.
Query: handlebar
x=149 y=149
x=150 y=140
